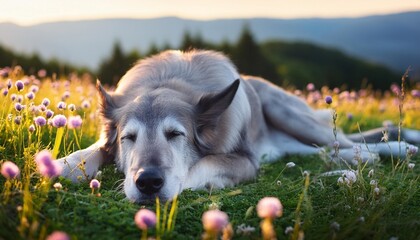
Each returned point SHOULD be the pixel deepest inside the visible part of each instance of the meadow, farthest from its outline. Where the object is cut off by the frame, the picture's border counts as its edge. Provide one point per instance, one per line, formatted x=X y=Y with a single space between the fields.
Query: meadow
x=59 y=114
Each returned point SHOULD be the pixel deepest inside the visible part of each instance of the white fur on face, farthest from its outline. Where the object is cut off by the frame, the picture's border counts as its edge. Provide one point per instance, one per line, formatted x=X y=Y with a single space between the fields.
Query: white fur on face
x=174 y=155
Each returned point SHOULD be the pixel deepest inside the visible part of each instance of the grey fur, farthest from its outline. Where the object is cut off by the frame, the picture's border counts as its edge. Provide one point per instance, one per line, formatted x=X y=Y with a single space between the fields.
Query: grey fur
x=188 y=115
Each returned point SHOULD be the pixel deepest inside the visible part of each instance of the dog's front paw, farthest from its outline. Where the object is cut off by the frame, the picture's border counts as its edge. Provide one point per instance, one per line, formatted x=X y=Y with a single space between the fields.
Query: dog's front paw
x=77 y=167
x=73 y=169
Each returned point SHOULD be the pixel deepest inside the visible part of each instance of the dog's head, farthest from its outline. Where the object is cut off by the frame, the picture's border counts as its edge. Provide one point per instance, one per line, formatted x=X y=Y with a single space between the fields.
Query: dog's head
x=158 y=135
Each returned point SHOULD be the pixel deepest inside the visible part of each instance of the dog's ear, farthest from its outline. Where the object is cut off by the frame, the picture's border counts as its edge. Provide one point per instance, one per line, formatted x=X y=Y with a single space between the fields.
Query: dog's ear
x=211 y=106
x=106 y=102
x=109 y=128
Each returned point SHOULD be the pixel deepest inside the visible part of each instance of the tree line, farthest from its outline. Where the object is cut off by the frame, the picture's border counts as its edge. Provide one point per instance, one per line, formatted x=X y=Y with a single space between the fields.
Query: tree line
x=283 y=63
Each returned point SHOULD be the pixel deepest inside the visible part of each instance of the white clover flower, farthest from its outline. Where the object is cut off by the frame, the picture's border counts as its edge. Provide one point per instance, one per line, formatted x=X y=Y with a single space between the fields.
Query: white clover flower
x=290 y=164
x=244 y=229
x=373 y=183
x=350 y=175
x=377 y=190
x=411 y=165
x=288 y=230
x=306 y=173
x=371 y=172
x=340 y=180
x=57 y=186
x=335 y=226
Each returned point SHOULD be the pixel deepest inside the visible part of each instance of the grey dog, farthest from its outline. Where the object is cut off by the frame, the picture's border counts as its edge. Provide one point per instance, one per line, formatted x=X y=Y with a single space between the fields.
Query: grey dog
x=182 y=120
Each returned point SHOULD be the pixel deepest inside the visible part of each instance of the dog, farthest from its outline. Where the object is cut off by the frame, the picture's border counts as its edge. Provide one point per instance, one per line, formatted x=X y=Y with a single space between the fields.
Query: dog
x=189 y=120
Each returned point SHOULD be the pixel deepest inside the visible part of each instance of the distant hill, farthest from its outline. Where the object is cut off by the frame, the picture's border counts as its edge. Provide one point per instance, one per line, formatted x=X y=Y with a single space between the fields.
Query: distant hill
x=301 y=63
x=390 y=39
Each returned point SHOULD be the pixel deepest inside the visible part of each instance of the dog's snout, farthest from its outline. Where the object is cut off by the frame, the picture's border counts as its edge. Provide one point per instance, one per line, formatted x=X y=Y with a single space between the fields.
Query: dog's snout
x=149 y=181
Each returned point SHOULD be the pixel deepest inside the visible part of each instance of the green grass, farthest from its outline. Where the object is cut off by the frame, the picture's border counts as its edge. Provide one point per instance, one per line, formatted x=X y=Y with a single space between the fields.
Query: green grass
x=30 y=208
x=394 y=213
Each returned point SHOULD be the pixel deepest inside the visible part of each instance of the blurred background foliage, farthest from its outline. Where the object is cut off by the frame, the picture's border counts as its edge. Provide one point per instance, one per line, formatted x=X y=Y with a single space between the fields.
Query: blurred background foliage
x=287 y=64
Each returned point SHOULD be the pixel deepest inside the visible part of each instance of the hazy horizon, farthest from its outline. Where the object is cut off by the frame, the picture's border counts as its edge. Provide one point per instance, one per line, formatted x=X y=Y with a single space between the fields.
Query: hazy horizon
x=27 y=12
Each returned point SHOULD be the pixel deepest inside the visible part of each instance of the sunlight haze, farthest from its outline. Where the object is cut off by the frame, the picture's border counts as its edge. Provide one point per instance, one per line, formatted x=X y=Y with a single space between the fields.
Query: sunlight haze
x=30 y=12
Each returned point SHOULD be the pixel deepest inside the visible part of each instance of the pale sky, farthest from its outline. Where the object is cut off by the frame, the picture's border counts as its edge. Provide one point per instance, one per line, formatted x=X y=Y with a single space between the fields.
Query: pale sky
x=29 y=12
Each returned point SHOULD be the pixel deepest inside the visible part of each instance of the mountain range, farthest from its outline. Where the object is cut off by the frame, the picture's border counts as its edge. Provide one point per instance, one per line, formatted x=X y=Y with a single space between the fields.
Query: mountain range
x=392 y=40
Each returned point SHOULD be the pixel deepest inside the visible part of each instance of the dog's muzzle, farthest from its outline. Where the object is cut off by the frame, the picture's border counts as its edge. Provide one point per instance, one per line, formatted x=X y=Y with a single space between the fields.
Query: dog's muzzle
x=149 y=181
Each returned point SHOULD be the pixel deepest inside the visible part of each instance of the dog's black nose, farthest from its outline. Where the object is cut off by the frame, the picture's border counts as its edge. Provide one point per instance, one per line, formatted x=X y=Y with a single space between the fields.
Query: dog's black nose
x=150 y=181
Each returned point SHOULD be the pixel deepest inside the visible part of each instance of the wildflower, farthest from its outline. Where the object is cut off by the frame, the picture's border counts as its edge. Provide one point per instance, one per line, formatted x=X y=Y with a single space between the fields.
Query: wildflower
x=371 y=172
x=373 y=183
x=30 y=95
x=412 y=150
x=59 y=121
x=46 y=165
x=310 y=87
x=9 y=170
x=66 y=95
x=9 y=83
x=415 y=93
x=340 y=180
x=61 y=105
x=40 y=121
x=13 y=97
x=290 y=164
x=328 y=99
x=94 y=184
x=42 y=73
x=31 y=128
x=75 y=122
x=18 y=107
x=357 y=150
x=145 y=219
x=49 y=113
x=42 y=108
x=19 y=85
x=46 y=102
x=377 y=190
x=269 y=207
x=278 y=183
x=57 y=186
x=85 y=104
x=34 y=109
x=58 y=235
x=34 y=89
x=288 y=230
x=5 y=92
x=72 y=107
x=411 y=165
x=336 y=144
x=349 y=116
x=306 y=173
x=350 y=175
x=335 y=226
x=244 y=229
x=214 y=221
x=18 y=120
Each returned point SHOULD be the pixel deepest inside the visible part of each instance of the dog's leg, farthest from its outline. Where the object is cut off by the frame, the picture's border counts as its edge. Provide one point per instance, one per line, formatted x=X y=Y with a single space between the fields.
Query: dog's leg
x=219 y=171
x=377 y=135
x=291 y=115
x=83 y=164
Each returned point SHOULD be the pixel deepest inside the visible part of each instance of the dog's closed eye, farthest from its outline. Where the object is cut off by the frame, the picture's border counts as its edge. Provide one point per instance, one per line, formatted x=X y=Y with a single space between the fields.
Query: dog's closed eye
x=172 y=134
x=131 y=137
